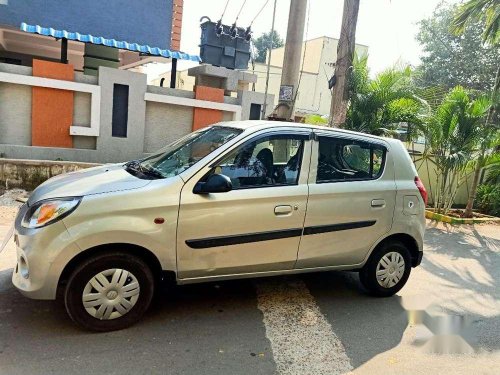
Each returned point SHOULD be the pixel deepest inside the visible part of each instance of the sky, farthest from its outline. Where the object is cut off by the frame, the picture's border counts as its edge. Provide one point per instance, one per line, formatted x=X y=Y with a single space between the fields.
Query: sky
x=388 y=27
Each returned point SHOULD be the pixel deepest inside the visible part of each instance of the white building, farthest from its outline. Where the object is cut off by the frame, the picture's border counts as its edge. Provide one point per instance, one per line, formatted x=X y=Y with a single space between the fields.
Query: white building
x=318 y=64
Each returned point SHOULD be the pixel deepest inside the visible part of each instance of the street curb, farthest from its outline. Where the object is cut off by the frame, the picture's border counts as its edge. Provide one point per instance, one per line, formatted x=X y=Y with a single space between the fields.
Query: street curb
x=456 y=220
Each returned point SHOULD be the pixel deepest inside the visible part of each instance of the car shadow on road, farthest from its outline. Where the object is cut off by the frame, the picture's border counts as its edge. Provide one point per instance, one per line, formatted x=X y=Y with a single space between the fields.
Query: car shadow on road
x=193 y=320
x=18 y=313
x=214 y=326
x=367 y=326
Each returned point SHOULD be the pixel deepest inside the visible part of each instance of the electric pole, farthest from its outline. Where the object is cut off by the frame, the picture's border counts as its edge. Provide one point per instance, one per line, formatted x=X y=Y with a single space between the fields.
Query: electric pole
x=343 y=66
x=270 y=51
x=291 y=60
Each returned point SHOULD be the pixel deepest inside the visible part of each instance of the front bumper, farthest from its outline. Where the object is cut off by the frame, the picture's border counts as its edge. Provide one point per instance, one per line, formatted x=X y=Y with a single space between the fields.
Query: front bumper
x=39 y=254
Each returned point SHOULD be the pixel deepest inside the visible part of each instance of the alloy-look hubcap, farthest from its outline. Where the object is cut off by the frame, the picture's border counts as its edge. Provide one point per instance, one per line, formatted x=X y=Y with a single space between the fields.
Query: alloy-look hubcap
x=111 y=294
x=390 y=269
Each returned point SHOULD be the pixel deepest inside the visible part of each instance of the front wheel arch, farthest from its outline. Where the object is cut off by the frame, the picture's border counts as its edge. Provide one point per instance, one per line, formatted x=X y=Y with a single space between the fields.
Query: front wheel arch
x=146 y=255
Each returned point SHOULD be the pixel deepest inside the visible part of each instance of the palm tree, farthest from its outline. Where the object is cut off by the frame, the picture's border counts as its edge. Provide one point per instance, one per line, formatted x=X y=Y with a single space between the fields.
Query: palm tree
x=452 y=133
x=377 y=106
x=489 y=10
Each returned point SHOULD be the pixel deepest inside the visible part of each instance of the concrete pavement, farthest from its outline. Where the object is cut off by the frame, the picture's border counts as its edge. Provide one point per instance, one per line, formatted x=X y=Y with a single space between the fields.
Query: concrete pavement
x=235 y=327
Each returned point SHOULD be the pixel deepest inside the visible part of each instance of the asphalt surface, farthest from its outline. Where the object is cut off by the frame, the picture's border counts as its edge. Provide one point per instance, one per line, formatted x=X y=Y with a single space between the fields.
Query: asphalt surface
x=309 y=324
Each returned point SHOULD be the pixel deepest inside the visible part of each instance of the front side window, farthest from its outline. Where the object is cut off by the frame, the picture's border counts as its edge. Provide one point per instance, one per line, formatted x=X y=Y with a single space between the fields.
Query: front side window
x=348 y=160
x=268 y=161
x=182 y=154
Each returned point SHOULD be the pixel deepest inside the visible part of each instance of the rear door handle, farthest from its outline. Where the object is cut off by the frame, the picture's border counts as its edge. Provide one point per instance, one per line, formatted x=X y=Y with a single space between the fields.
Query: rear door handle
x=284 y=210
x=378 y=203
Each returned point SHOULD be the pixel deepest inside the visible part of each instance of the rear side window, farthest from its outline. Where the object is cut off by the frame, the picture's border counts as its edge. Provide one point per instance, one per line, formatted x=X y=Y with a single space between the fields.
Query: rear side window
x=348 y=160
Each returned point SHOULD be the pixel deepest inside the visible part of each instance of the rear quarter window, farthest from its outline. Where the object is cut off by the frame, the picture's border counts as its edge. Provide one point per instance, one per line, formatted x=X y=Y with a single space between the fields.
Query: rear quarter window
x=349 y=160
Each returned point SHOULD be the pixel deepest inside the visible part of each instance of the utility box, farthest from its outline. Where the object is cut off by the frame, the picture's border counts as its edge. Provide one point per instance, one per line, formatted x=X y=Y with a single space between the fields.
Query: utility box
x=219 y=48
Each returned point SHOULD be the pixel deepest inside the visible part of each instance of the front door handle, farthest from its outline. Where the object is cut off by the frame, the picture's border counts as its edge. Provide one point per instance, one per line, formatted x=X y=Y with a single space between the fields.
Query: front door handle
x=284 y=210
x=378 y=203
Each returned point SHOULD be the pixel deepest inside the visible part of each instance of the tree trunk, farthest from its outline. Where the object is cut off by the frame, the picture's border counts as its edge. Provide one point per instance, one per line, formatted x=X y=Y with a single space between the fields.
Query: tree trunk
x=475 y=183
x=343 y=66
x=442 y=191
x=481 y=160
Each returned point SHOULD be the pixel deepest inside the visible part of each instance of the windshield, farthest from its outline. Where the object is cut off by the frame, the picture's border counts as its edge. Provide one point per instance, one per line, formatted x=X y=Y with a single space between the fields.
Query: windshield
x=182 y=154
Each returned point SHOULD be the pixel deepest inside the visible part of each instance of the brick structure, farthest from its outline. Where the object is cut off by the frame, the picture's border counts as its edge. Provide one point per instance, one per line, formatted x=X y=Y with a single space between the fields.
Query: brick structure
x=175 y=42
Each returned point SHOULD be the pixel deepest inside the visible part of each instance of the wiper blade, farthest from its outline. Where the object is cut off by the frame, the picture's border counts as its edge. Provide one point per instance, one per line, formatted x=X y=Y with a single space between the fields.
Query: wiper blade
x=133 y=164
x=152 y=171
x=136 y=165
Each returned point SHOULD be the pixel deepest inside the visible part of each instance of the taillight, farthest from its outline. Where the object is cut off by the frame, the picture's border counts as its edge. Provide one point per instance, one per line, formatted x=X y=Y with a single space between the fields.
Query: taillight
x=421 y=189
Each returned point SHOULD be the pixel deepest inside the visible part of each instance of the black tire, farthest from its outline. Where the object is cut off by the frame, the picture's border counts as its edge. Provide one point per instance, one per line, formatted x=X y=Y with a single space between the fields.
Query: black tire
x=93 y=266
x=368 y=276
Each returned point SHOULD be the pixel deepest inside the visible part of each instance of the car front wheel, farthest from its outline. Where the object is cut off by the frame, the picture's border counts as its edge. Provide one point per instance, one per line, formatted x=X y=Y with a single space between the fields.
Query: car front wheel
x=387 y=270
x=109 y=292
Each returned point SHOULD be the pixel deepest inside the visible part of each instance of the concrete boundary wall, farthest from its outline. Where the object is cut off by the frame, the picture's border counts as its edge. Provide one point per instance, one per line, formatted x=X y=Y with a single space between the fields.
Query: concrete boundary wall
x=28 y=174
x=155 y=116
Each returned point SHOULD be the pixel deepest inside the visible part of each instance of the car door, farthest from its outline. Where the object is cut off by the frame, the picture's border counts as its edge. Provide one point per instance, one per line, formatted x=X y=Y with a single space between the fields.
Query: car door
x=255 y=227
x=351 y=200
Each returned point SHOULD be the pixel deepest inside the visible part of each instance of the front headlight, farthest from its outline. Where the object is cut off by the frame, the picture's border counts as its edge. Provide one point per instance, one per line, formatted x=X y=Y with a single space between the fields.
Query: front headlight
x=49 y=211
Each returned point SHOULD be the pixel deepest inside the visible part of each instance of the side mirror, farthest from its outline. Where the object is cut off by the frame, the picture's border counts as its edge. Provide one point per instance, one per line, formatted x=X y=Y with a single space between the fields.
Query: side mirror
x=216 y=183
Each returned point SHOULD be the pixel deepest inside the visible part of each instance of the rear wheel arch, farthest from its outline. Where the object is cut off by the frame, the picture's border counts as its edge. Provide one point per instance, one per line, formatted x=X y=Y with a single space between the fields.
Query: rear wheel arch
x=138 y=251
x=408 y=241
x=387 y=269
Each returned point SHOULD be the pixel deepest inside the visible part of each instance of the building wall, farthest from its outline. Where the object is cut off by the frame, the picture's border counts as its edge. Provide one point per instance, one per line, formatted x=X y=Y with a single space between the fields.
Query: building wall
x=120 y=148
x=143 y=22
x=427 y=173
x=28 y=174
x=318 y=67
x=165 y=123
x=307 y=86
x=81 y=117
x=311 y=62
x=319 y=52
x=156 y=115
x=15 y=108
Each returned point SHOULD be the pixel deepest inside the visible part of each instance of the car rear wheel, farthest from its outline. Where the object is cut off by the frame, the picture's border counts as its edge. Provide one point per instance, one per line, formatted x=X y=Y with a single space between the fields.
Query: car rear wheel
x=109 y=292
x=387 y=269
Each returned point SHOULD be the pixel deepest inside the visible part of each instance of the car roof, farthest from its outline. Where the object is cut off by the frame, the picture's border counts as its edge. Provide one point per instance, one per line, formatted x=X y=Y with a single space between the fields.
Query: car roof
x=256 y=125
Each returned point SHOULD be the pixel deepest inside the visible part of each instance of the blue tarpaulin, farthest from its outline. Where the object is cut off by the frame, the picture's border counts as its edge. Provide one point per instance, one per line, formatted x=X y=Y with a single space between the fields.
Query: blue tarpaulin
x=87 y=38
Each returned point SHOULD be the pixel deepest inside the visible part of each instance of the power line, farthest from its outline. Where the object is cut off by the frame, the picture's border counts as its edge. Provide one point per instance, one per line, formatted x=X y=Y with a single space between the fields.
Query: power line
x=242 y=5
x=224 y=11
x=261 y=9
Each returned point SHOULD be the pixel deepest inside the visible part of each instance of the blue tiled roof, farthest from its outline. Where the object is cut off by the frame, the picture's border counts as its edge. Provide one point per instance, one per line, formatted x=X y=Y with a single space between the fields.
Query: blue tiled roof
x=87 y=38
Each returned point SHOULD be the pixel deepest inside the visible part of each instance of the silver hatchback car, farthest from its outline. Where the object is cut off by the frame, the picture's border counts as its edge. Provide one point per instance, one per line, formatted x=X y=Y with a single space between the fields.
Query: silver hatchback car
x=234 y=200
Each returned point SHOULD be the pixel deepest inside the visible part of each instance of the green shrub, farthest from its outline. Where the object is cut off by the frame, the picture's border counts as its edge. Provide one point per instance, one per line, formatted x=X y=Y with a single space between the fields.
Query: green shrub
x=488 y=199
x=315 y=120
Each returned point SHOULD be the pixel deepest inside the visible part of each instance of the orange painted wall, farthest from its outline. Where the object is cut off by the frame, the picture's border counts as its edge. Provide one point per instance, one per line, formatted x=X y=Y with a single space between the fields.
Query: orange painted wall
x=202 y=116
x=52 y=109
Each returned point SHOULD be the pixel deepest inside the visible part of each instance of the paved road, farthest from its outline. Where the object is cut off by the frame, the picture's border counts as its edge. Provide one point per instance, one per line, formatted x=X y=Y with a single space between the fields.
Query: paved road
x=309 y=324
